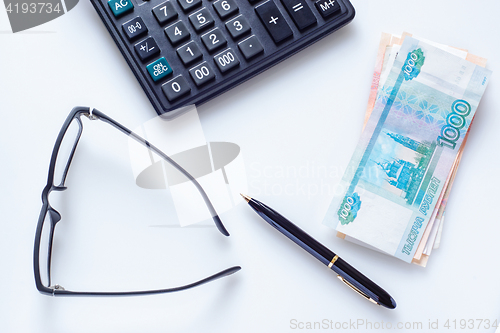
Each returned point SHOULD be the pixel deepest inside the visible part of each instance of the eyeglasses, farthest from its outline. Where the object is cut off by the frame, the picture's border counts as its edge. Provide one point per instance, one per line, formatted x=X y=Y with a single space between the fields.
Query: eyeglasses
x=60 y=162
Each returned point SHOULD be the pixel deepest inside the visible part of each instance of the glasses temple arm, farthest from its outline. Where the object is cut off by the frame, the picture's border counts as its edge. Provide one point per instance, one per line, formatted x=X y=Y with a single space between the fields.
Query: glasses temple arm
x=147 y=144
x=59 y=291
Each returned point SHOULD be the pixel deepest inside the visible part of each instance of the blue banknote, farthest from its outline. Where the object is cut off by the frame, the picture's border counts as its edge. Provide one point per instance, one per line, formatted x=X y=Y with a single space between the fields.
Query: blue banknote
x=407 y=149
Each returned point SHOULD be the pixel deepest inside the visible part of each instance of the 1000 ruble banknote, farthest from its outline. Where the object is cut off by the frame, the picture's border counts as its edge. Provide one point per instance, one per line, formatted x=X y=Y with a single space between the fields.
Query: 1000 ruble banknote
x=403 y=161
x=388 y=48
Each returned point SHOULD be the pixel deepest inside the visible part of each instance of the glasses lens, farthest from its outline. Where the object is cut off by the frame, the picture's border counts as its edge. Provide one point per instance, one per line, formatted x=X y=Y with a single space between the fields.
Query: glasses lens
x=66 y=151
x=45 y=249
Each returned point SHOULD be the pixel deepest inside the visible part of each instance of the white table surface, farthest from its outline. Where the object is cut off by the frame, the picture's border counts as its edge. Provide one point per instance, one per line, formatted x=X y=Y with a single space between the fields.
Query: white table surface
x=291 y=122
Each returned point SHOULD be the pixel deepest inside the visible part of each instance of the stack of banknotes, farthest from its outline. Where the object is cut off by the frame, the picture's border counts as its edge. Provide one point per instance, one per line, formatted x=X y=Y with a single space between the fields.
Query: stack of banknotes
x=422 y=102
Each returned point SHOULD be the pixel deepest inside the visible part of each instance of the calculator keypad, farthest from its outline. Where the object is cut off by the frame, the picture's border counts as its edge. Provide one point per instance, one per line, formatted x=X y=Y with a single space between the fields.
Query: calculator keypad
x=134 y=28
x=147 y=48
x=165 y=12
x=250 y=47
x=176 y=88
x=202 y=73
x=159 y=69
x=120 y=7
x=225 y=8
x=201 y=19
x=177 y=33
x=274 y=21
x=300 y=13
x=226 y=60
x=327 y=7
x=238 y=27
x=189 y=51
x=188 y=5
x=214 y=40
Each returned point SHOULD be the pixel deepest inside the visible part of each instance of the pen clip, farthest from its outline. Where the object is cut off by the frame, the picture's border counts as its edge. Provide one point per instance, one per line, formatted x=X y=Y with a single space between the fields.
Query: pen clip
x=357 y=290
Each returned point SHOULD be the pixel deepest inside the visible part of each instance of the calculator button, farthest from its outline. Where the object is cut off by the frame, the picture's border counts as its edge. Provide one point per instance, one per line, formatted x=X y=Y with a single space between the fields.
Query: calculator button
x=175 y=88
x=119 y=7
x=201 y=19
x=188 y=5
x=177 y=32
x=300 y=12
x=225 y=8
x=159 y=69
x=165 y=12
x=250 y=47
x=202 y=73
x=189 y=53
x=226 y=60
x=274 y=21
x=147 y=48
x=238 y=26
x=327 y=7
x=134 y=28
x=213 y=40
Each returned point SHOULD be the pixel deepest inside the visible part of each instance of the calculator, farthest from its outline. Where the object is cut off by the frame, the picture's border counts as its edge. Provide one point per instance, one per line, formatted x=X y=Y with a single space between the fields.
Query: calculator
x=189 y=51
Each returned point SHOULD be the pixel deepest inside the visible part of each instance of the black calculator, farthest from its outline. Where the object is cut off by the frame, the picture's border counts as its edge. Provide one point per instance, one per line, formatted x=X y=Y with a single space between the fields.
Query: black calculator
x=189 y=51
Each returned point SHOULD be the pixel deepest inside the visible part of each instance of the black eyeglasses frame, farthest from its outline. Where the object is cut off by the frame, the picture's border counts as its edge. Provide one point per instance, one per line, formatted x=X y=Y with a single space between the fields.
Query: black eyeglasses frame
x=55 y=217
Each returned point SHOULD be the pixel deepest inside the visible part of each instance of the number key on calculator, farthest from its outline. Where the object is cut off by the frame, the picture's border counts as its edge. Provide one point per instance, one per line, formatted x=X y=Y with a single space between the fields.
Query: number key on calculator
x=189 y=51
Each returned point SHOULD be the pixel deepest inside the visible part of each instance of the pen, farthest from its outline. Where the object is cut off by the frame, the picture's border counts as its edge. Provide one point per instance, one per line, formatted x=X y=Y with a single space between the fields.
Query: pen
x=345 y=272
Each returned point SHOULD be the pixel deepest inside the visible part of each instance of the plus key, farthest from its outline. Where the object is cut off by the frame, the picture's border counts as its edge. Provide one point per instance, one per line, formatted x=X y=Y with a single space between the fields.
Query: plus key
x=274 y=21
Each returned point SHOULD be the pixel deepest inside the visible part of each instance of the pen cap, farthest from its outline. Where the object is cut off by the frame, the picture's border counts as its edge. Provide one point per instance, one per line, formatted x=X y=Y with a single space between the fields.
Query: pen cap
x=363 y=284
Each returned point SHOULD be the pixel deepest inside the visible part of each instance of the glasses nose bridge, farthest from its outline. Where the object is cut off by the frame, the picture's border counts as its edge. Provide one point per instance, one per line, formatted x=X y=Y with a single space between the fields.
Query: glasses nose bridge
x=55 y=216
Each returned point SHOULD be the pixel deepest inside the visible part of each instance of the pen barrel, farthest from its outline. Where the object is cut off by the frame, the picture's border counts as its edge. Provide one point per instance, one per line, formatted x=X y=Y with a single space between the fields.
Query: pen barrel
x=297 y=235
x=349 y=274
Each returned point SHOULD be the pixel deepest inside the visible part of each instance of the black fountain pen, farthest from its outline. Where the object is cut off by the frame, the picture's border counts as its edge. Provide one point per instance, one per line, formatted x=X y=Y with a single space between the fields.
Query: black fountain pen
x=345 y=272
